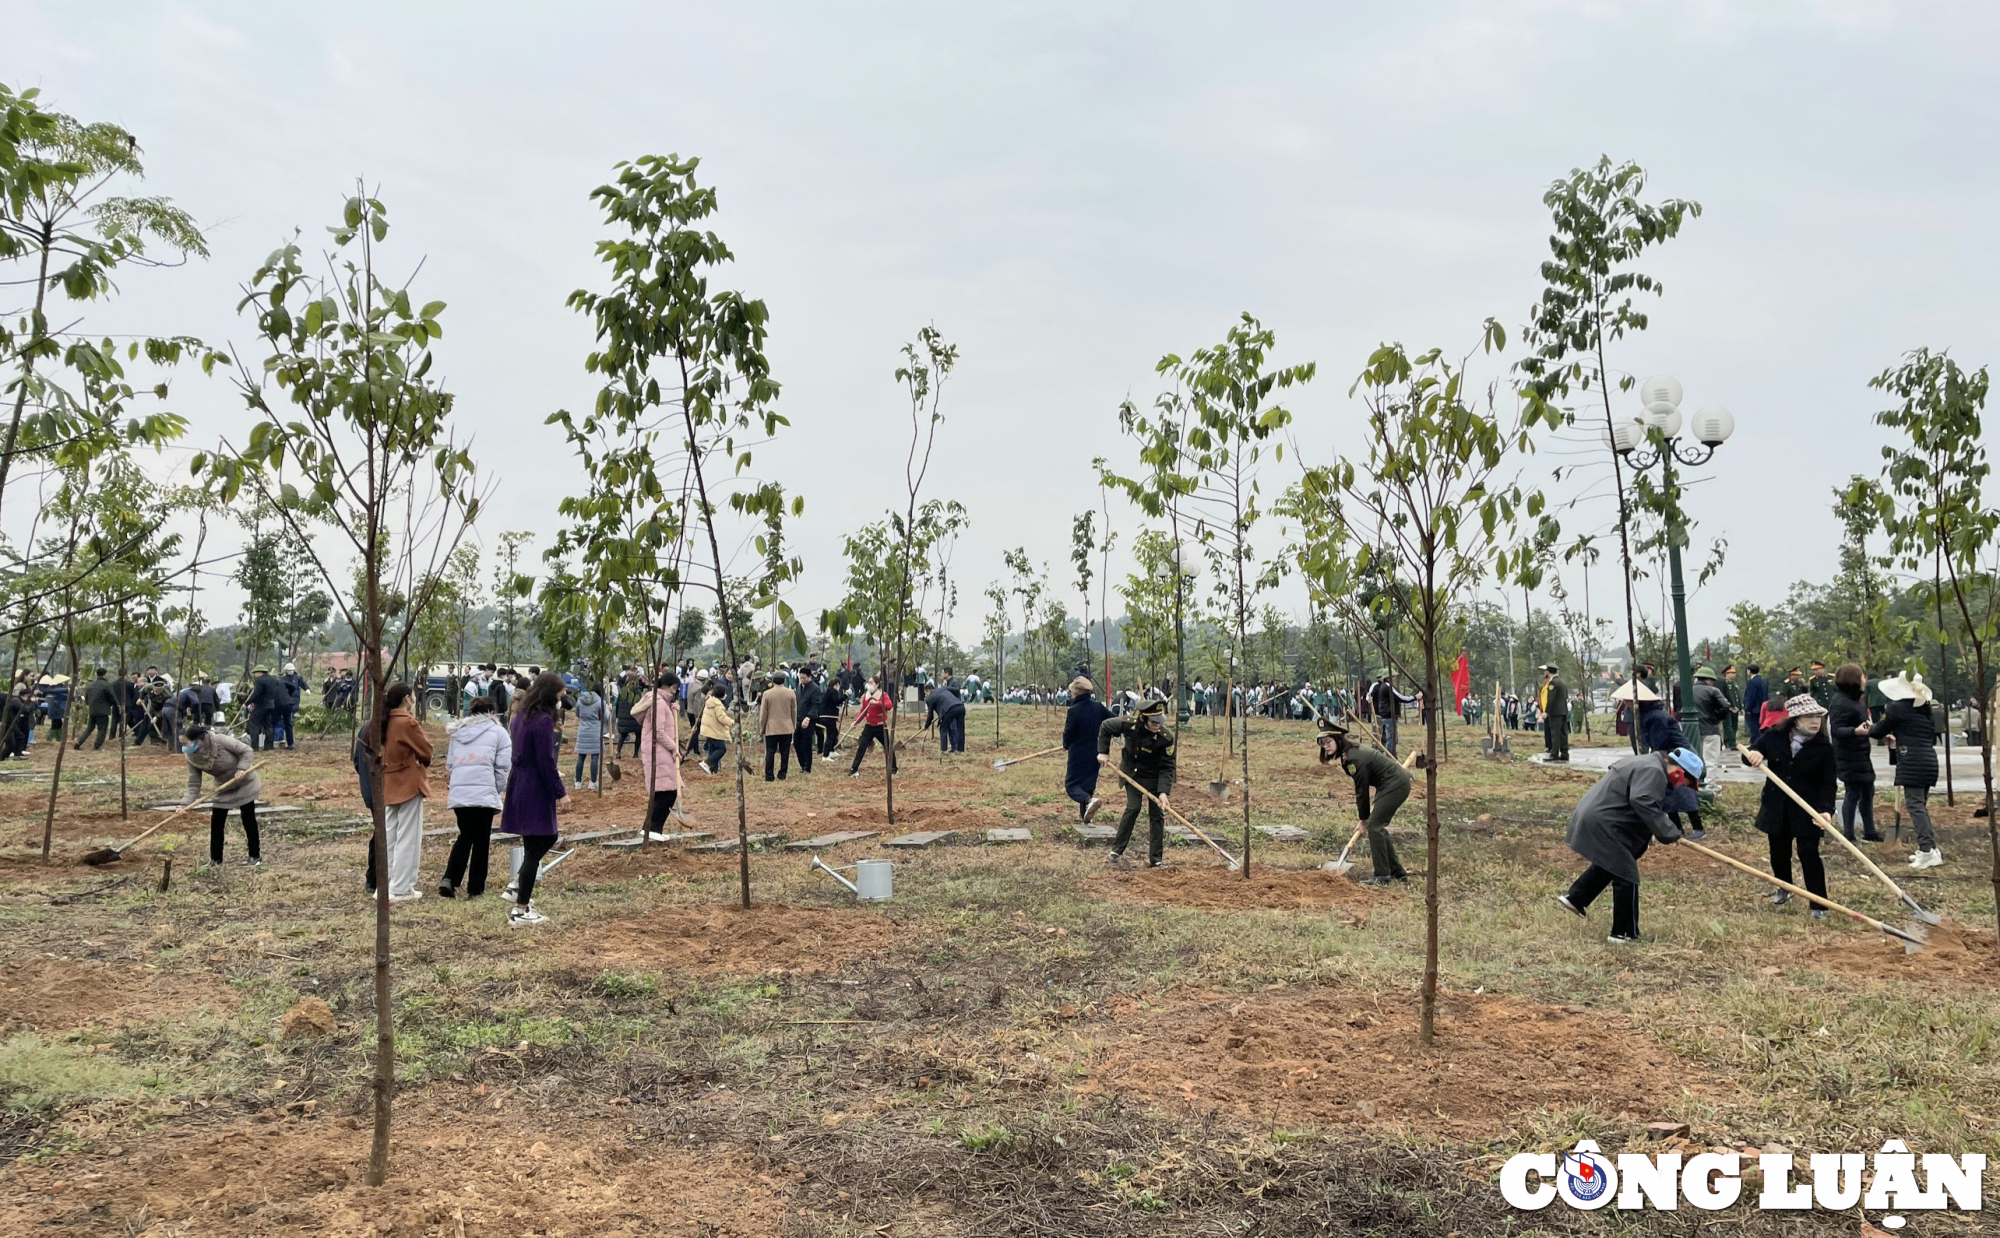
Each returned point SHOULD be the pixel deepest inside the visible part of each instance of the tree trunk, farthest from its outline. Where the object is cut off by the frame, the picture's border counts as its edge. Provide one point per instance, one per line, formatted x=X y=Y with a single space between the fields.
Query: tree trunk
x=125 y=723
x=62 y=743
x=1427 y=1018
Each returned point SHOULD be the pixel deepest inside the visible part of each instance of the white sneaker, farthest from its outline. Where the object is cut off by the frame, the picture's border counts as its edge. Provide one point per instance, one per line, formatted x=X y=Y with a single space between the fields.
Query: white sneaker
x=512 y=892
x=1927 y=859
x=522 y=917
x=411 y=897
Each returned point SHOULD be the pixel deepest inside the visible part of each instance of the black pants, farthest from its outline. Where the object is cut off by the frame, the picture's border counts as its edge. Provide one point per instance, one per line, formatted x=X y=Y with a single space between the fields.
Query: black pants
x=1081 y=785
x=100 y=726
x=1156 y=821
x=1860 y=797
x=468 y=860
x=802 y=746
x=1810 y=868
x=219 y=817
x=656 y=814
x=533 y=847
x=778 y=748
x=1557 y=735
x=1624 y=898
x=259 y=732
x=627 y=728
x=870 y=736
x=829 y=733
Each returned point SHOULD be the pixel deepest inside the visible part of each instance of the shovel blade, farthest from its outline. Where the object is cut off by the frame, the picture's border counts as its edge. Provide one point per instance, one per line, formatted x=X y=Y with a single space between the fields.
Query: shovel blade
x=1338 y=867
x=1917 y=910
x=1000 y=765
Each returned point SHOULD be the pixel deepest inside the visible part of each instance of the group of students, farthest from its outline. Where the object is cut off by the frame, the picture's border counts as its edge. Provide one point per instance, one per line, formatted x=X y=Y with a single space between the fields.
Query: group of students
x=1809 y=746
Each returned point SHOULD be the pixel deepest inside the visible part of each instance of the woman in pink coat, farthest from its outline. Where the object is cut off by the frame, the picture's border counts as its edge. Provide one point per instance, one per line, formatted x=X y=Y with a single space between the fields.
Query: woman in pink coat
x=658 y=715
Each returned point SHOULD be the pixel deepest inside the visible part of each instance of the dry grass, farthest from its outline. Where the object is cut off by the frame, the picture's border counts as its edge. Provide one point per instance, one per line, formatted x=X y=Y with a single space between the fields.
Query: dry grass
x=936 y=1069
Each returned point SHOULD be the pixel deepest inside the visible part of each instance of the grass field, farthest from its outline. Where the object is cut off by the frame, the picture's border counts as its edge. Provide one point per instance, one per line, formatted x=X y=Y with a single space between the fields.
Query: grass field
x=1021 y=1042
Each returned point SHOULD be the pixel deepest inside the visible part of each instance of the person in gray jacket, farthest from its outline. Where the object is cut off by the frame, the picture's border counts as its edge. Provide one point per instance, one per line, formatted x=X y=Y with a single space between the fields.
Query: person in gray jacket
x=592 y=717
x=224 y=757
x=1616 y=821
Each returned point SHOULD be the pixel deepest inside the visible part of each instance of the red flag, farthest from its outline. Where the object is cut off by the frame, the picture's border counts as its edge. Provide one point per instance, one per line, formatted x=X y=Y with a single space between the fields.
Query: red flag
x=1461 y=681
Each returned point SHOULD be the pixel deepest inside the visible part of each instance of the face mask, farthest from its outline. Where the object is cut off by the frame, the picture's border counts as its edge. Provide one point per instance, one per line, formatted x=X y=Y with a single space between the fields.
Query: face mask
x=188 y=749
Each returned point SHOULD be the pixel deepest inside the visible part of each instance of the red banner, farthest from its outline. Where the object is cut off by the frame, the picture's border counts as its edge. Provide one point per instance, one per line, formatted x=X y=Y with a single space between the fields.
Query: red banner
x=1461 y=681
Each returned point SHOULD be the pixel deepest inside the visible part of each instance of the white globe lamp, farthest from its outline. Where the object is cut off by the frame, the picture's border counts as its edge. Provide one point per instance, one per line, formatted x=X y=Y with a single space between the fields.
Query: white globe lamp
x=1713 y=426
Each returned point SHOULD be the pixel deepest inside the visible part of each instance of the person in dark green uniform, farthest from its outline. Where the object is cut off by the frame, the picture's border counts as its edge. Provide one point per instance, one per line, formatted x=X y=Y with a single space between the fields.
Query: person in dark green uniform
x=1820 y=685
x=1147 y=759
x=1794 y=685
x=1373 y=770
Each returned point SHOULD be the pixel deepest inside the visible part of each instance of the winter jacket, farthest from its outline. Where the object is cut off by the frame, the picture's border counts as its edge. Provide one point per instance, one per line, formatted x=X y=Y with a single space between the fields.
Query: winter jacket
x=1915 y=729
x=659 y=720
x=591 y=719
x=295 y=689
x=1146 y=753
x=1080 y=726
x=406 y=758
x=832 y=699
x=777 y=711
x=1850 y=751
x=715 y=722
x=1659 y=730
x=1622 y=815
x=223 y=757
x=102 y=698
x=1810 y=772
x=1711 y=705
x=477 y=762
x=533 y=783
x=875 y=708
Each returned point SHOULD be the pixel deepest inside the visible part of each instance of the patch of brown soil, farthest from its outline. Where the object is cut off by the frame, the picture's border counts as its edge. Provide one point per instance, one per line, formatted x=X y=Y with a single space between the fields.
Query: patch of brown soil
x=1212 y=887
x=1958 y=955
x=1343 y=1058
x=450 y=1174
x=617 y=864
x=59 y=994
x=908 y=817
x=728 y=939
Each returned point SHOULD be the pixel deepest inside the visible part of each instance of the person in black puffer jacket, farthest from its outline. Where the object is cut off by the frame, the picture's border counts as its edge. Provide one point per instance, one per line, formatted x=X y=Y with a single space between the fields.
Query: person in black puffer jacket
x=1911 y=727
x=1660 y=731
x=1851 y=756
x=1796 y=750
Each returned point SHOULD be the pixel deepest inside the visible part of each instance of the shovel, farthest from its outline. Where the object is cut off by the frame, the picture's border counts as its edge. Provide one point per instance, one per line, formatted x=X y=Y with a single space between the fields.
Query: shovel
x=1343 y=864
x=1911 y=943
x=111 y=855
x=1031 y=756
x=1235 y=865
x=1820 y=818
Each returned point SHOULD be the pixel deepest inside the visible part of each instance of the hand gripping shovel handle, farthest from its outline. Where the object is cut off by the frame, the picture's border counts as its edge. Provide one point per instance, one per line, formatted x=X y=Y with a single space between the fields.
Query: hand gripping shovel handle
x=1031 y=756
x=1132 y=782
x=1909 y=940
x=1826 y=824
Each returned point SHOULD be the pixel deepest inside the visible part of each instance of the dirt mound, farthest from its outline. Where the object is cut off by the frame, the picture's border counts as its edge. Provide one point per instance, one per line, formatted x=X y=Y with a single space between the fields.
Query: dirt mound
x=59 y=994
x=1340 y=1058
x=1958 y=955
x=450 y=1174
x=719 y=938
x=1212 y=887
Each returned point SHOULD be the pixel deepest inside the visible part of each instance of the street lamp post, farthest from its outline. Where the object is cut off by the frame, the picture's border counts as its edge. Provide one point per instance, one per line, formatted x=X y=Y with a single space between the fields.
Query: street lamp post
x=1660 y=426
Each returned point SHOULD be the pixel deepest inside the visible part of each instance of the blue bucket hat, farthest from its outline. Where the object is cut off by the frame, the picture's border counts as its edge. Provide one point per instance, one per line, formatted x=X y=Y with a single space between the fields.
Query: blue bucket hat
x=1686 y=758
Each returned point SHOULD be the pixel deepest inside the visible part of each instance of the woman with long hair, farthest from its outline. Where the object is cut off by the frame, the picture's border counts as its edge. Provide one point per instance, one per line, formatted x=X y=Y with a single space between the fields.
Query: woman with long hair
x=873 y=715
x=657 y=711
x=395 y=735
x=713 y=729
x=481 y=753
x=1912 y=731
x=1796 y=750
x=1851 y=736
x=535 y=791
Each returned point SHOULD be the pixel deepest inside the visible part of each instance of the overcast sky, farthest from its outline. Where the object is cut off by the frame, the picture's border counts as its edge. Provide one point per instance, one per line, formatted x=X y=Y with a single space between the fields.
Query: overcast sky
x=1068 y=191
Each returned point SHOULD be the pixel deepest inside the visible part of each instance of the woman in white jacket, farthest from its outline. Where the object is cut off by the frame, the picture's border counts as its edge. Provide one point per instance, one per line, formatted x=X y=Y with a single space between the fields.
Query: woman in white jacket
x=481 y=754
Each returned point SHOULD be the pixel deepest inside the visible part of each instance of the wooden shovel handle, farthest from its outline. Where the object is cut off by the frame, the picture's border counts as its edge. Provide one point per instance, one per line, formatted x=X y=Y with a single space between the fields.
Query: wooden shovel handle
x=1170 y=811
x=149 y=830
x=1801 y=891
x=1825 y=822
x=1031 y=756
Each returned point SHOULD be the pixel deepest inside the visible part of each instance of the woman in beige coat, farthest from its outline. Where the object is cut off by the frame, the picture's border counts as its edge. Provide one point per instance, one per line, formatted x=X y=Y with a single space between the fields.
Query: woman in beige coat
x=224 y=758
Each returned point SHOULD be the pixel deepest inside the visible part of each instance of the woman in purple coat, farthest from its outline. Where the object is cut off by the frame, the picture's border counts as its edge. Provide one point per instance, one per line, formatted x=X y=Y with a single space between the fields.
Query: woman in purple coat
x=534 y=791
